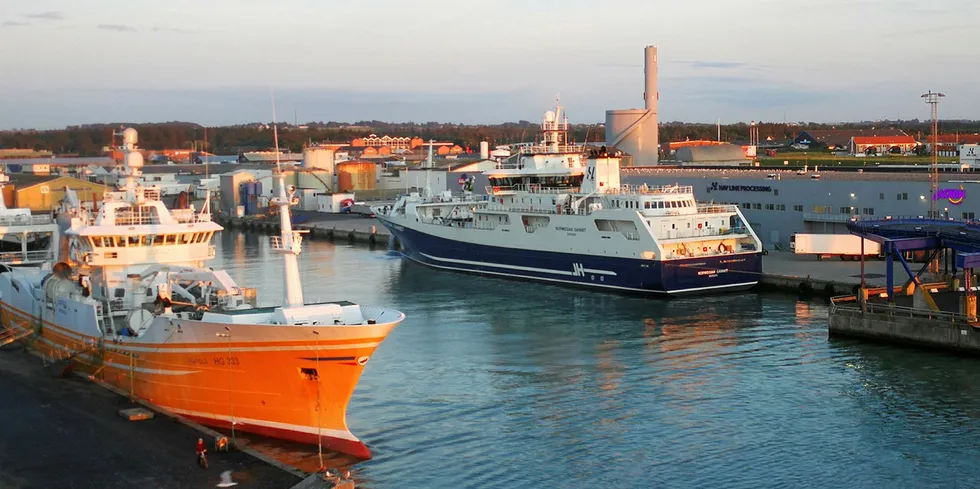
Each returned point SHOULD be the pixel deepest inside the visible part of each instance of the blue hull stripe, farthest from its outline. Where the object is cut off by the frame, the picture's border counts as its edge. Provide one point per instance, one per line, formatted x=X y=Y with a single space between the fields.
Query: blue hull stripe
x=695 y=275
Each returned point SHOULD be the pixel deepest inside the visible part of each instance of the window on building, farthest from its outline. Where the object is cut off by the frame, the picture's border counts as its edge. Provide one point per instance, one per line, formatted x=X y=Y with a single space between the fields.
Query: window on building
x=868 y=211
x=781 y=207
x=775 y=191
x=881 y=196
x=746 y=205
x=770 y=207
x=798 y=208
x=969 y=216
x=757 y=206
x=845 y=210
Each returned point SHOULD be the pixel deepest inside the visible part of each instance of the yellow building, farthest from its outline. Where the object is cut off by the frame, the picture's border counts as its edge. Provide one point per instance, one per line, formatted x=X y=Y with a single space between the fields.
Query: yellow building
x=42 y=194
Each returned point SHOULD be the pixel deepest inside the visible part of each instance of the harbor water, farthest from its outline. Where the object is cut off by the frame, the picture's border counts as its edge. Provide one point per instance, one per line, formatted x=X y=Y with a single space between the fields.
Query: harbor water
x=497 y=383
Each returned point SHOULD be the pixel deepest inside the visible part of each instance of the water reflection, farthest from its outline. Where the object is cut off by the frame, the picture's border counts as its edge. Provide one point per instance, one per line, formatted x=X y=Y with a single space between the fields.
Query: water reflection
x=497 y=383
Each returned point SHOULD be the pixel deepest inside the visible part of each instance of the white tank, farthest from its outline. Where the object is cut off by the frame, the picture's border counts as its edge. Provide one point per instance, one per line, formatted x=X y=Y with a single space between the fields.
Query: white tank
x=316 y=157
x=484 y=150
x=635 y=131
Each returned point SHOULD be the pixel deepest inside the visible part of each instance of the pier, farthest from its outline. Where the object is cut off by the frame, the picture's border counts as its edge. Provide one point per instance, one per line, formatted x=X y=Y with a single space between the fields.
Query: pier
x=67 y=432
x=337 y=228
x=935 y=307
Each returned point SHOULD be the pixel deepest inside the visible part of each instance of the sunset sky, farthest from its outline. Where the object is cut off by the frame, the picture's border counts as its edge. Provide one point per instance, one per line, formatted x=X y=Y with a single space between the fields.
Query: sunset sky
x=72 y=62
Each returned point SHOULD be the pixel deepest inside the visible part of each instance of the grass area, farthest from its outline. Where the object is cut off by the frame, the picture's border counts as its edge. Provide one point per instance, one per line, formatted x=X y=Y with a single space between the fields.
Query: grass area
x=830 y=159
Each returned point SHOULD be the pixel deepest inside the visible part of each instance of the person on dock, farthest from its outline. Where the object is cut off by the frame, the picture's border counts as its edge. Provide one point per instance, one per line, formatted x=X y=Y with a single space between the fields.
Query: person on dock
x=200 y=448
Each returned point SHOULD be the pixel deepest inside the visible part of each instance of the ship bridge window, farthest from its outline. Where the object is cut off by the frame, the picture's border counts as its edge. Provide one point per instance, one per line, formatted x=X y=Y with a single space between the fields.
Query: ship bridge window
x=646 y=205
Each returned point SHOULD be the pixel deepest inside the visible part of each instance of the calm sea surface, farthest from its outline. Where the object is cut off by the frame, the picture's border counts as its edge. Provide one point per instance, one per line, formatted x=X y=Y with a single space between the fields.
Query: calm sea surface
x=495 y=383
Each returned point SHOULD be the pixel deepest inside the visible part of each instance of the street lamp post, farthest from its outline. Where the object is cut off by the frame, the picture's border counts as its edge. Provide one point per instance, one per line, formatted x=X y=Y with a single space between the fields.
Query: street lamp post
x=231 y=403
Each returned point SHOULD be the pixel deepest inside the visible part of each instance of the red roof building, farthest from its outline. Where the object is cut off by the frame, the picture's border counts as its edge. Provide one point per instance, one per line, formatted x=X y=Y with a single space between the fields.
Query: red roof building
x=882 y=144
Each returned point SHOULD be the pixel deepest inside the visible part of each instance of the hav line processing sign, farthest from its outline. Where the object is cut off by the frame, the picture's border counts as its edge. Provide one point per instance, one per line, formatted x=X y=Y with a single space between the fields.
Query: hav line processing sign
x=953 y=195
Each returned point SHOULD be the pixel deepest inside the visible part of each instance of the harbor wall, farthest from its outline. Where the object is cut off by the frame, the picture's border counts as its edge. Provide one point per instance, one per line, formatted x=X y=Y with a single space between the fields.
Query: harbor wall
x=364 y=231
x=942 y=330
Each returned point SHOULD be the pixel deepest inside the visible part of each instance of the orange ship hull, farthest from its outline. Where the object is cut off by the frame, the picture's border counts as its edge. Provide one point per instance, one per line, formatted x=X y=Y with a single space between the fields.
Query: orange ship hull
x=285 y=387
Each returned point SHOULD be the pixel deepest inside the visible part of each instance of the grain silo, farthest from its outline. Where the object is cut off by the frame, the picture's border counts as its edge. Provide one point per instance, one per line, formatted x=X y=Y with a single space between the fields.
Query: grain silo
x=356 y=175
x=319 y=157
x=634 y=131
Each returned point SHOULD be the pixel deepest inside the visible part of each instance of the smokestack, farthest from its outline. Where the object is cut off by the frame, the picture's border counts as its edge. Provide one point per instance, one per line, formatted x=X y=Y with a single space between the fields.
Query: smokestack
x=650 y=96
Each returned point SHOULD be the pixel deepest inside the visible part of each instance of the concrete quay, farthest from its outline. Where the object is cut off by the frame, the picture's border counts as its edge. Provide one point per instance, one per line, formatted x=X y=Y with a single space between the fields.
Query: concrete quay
x=67 y=432
x=787 y=271
x=345 y=228
x=906 y=322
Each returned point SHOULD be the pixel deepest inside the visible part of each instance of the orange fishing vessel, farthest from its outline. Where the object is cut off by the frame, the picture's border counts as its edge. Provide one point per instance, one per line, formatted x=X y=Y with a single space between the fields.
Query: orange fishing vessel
x=134 y=305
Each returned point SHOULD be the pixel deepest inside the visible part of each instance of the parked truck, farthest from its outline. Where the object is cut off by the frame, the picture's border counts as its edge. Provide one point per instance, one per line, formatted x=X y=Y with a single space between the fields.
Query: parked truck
x=845 y=246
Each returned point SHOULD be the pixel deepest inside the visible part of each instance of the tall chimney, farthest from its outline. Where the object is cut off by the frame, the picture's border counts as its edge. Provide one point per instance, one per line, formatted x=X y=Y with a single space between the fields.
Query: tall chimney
x=650 y=96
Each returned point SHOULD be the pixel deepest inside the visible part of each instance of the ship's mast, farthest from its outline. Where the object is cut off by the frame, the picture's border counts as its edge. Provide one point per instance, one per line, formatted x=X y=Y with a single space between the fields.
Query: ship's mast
x=553 y=128
x=290 y=243
x=428 y=170
x=3 y=181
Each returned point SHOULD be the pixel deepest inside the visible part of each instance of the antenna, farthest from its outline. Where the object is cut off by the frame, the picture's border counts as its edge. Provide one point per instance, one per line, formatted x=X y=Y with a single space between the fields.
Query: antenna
x=275 y=131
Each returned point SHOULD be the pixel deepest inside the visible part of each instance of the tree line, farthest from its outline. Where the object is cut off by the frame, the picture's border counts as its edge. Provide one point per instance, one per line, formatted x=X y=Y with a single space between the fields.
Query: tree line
x=89 y=140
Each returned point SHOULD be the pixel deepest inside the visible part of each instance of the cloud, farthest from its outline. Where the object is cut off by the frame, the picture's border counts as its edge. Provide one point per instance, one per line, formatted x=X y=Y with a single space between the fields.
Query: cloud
x=51 y=15
x=14 y=23
x=116 y=27
x=175 y=30
x=723 y=65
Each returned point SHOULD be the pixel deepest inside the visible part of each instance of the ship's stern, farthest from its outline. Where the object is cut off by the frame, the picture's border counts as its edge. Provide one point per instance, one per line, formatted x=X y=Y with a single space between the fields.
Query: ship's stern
x=703 y=275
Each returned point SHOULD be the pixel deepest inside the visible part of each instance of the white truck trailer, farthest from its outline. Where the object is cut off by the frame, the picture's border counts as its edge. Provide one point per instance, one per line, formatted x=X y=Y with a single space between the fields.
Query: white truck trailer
x=845 y=246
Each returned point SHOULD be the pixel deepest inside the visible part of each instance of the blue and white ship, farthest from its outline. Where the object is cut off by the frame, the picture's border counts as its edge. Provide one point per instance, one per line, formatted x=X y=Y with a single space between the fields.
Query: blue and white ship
x=558 y=213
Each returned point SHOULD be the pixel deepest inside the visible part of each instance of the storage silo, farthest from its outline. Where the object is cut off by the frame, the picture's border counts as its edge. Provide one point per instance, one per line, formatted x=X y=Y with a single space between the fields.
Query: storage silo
x=356 y=175
x=634 y=131
x=318 y=157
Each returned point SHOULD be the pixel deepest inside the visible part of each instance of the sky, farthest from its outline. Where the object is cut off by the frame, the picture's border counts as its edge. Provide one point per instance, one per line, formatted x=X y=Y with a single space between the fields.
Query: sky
x=217 y=62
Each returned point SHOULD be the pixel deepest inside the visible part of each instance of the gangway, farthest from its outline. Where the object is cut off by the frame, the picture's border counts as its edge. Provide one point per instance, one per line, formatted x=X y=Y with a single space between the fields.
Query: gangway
x=902 y=234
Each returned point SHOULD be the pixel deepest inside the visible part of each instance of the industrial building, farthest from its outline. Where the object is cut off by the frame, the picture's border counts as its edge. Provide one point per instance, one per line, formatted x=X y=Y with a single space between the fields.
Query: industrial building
x=725 y=154
x=879 y=145
x=840 y=139
x=44 y=193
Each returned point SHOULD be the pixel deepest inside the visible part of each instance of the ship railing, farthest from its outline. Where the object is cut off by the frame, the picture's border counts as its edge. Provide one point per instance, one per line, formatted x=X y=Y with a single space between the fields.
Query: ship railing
x=531 y=209
x=297 y=241
x=530 y=188
x=651 y=189
x=706 y=232
x=549 y=149
x=26 y=256
x=137 y=220
x=716 y=209
x=185 y=216
x=850 y=303
x=25 y=220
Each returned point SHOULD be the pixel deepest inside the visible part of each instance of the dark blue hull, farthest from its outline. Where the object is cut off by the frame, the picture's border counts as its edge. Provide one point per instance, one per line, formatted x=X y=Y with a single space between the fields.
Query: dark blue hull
x=674 y=277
